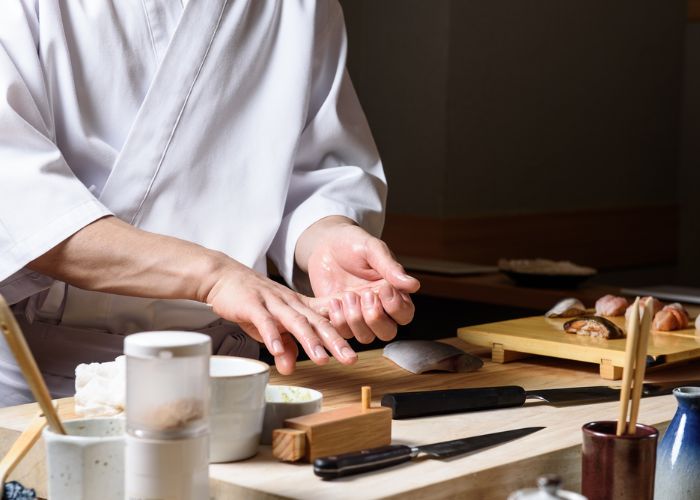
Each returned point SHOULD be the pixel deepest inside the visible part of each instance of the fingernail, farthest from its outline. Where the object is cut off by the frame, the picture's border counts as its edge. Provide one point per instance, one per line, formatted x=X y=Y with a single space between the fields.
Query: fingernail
x=320 y=352
x=350 y=299
x=348 y=353
x=386 y=293
x=277 y=348
x=367 y=300
x=335 y=305
x=405 y=277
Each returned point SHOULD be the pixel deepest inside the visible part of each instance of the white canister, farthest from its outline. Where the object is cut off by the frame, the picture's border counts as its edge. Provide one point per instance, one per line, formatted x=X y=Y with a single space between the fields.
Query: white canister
x=88 y=461
x=167 y=415
x=167 y=469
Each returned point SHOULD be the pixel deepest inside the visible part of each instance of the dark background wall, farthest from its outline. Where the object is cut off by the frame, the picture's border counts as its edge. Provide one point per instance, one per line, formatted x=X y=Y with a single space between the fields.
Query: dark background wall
x=503 y=107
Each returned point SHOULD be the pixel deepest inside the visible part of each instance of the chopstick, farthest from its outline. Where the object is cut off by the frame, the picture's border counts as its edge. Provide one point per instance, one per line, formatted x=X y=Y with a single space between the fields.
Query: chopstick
x=628 y=369
x=21 y=446
x=18 y=345
x=640 y=365
x=635 y=366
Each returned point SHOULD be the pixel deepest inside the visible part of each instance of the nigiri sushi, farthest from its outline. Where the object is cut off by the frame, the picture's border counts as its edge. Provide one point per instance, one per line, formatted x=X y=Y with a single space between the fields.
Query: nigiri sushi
x=672 y=317
x=566 y=308
x=656 y=304
x=418 y=356
x=611 y=305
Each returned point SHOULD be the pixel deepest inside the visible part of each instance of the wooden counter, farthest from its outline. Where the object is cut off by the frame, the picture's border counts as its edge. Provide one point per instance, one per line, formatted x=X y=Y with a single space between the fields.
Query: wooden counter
x=498 y=289
x=491 y=473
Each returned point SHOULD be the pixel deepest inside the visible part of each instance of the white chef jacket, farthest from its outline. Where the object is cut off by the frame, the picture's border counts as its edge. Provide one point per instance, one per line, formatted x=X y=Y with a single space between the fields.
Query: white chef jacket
x=232 y=125
x=229 y=123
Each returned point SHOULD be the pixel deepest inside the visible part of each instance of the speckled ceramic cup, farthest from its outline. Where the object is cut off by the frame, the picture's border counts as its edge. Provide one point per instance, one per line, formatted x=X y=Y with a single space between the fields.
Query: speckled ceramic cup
x=618 y=467
x=87 y=462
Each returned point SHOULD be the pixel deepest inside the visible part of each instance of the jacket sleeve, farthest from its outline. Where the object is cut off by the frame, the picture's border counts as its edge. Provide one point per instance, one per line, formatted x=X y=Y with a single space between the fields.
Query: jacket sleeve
x=42 y=202
x=337 y=169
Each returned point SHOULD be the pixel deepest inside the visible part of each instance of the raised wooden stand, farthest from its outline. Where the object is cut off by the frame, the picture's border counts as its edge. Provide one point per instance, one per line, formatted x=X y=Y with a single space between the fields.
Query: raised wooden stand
x=352 y=428
x=516 y=339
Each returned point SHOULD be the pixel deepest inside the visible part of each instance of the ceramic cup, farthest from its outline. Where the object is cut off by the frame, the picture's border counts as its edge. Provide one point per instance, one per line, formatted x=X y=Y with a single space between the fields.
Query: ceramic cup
x=618 y=467
x=287 y=401
x=237 y=407
x=88 y=461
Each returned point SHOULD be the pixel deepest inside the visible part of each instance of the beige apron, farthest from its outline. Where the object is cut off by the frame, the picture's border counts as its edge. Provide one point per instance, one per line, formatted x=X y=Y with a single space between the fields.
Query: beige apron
x=59 y=349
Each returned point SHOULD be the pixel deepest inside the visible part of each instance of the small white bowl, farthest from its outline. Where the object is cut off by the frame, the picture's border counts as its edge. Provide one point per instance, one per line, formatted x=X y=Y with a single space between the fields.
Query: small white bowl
x=287 y=401
x=237 y=407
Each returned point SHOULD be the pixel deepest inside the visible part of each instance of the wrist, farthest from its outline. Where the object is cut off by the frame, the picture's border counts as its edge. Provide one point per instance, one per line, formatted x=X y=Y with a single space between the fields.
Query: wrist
x=309 y=240
x=205 y=273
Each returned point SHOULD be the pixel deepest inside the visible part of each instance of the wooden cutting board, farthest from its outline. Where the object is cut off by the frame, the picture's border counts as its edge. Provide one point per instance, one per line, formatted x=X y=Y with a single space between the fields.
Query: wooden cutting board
x=515 y=339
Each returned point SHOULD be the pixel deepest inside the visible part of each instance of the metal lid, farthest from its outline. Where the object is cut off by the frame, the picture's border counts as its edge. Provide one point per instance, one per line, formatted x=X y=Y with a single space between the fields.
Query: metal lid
x=167 y=344
x=548 y=488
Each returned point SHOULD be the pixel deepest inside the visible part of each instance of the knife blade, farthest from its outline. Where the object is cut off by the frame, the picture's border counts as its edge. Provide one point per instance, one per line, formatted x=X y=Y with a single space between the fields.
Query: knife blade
x=441 y=402
x=386 y=456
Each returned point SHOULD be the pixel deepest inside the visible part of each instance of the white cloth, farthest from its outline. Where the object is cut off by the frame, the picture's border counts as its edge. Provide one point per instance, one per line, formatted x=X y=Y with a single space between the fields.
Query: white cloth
x=100 y=388
x=232 y=124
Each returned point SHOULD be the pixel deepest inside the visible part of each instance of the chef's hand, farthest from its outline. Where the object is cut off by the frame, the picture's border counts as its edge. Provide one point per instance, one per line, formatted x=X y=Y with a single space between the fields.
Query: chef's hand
x=272 y=313
x=112 y=256
x=359 y=284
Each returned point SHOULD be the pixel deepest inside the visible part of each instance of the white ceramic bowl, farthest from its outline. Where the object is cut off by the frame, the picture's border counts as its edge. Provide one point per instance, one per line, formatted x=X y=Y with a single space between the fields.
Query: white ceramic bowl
x=237 y=407
x=287 y=401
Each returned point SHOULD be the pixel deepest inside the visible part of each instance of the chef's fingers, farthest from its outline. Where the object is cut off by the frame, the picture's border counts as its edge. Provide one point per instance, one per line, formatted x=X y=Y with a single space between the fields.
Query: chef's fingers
x=298 y=325
x=267 y=328
x=380 y=258
x=373 y=313
x=396 y=304
x=355 y=319
x=337 y=318
x=286 y=361
x=333 y=341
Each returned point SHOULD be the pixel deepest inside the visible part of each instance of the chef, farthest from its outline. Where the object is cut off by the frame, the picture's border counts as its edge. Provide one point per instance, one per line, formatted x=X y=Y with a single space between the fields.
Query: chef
x=153 y=155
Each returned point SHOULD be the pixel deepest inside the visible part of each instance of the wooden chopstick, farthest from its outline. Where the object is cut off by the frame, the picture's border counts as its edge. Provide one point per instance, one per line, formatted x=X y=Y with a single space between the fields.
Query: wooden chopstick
x=21 y=446
x=18 y=345
x=640 y=365
x=628 y=368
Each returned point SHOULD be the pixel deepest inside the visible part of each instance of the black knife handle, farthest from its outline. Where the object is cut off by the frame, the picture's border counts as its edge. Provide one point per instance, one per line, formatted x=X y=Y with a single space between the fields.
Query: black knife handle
x=424 y=403
x=348 y=464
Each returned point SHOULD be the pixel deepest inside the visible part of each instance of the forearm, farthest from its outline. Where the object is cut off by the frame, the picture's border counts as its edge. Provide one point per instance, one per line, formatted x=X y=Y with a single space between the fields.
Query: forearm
x=109 y=255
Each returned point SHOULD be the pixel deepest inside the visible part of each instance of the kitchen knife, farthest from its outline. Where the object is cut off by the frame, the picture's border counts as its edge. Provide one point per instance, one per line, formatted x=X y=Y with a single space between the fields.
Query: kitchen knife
x=385 y=456
x=440 y=402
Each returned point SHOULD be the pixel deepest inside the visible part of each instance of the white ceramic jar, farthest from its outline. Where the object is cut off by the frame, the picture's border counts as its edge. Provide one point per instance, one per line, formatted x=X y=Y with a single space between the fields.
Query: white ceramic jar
x=88 y=461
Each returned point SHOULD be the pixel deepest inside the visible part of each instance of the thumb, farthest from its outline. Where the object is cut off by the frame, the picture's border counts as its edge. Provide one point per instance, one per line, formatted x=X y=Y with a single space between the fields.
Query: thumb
x=382 y=261
x=320 y=305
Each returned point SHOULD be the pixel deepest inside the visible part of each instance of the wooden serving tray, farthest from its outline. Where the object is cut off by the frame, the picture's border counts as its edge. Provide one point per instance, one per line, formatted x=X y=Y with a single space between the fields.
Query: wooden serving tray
x=515 y=339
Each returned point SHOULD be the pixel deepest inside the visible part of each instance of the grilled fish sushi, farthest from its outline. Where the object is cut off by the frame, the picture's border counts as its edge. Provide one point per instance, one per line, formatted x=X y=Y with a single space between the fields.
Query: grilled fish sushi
x=594 y=326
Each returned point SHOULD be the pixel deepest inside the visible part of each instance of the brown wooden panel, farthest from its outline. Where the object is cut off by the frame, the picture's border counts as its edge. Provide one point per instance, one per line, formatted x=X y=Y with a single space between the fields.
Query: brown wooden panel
x=606 y=239
x=694 y=11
